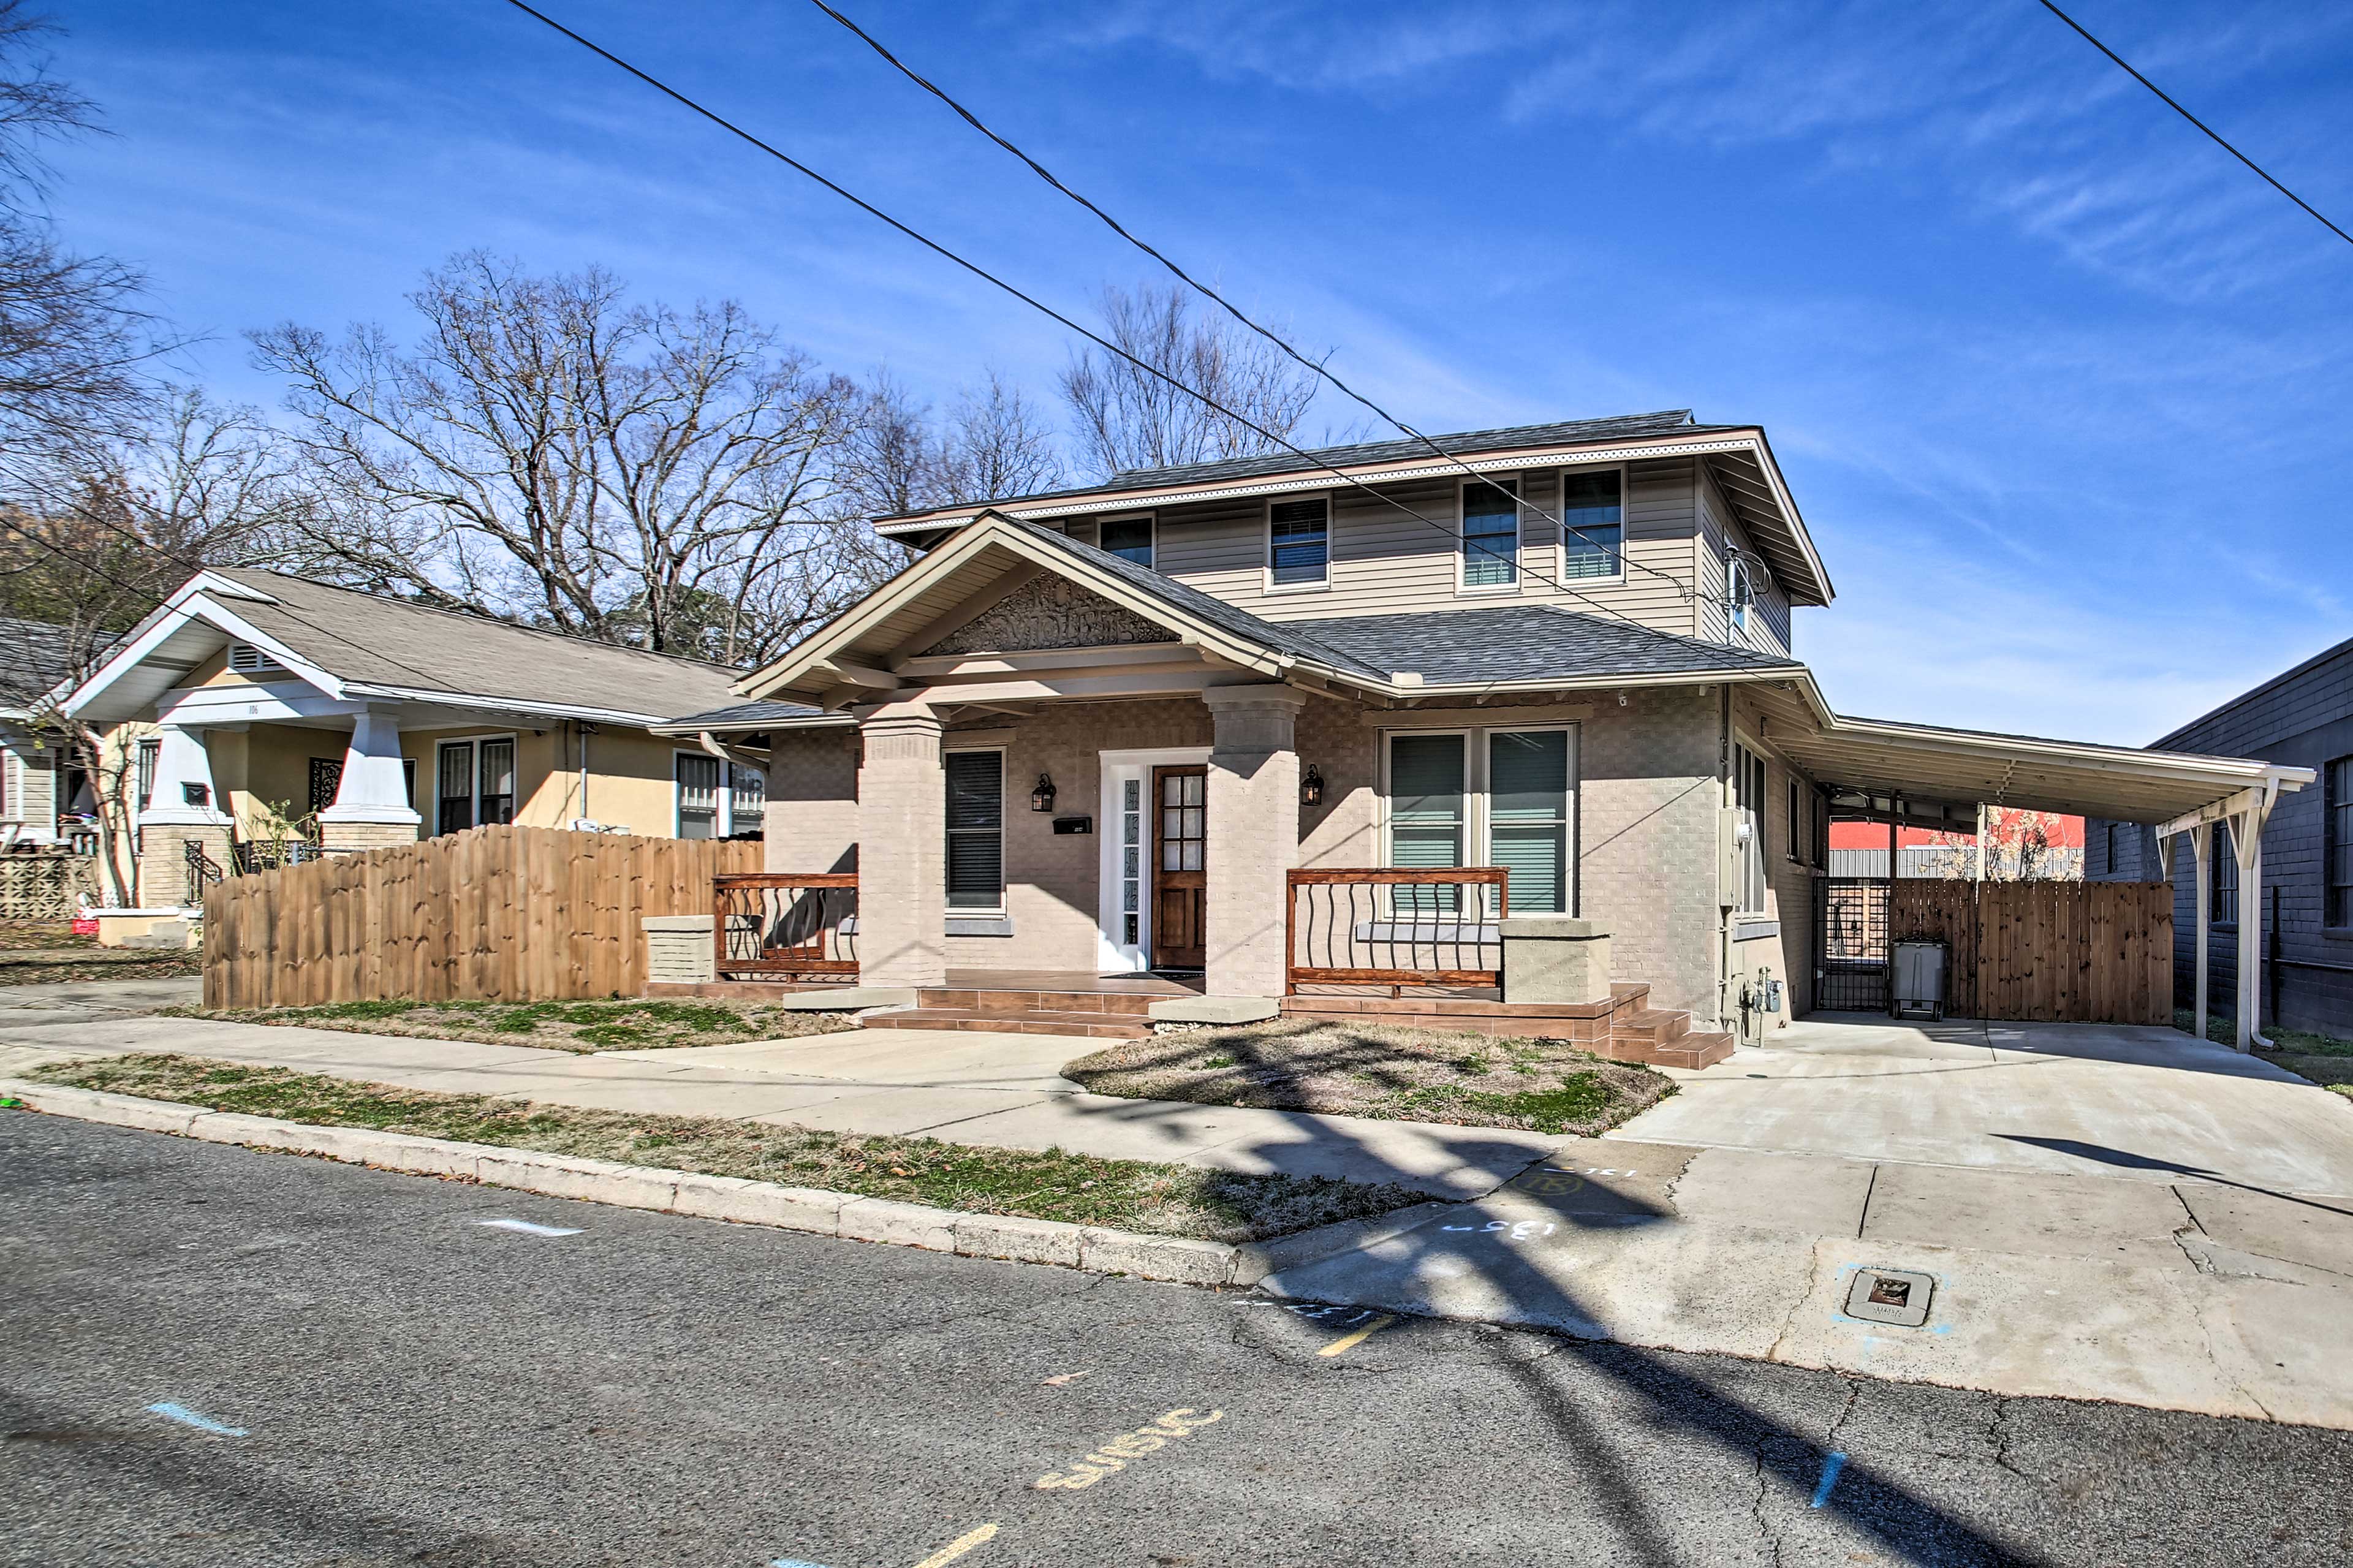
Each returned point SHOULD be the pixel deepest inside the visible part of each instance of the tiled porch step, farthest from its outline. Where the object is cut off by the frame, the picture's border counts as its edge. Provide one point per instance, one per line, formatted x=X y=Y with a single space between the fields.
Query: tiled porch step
x=1694 y=1050
x=1656 y=1025
x=1124 y=1005
x=1092 y=1026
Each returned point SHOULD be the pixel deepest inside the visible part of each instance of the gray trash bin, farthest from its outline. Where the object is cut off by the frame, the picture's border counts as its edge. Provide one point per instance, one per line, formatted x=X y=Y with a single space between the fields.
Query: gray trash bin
x=1918 y=990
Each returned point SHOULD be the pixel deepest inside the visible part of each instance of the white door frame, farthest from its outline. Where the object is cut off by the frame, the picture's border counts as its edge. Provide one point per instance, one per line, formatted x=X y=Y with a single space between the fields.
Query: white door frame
x=1113 y=956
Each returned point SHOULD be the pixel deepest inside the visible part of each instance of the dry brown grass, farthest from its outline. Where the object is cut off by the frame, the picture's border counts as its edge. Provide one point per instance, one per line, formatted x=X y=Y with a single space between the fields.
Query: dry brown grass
x=583 y=1027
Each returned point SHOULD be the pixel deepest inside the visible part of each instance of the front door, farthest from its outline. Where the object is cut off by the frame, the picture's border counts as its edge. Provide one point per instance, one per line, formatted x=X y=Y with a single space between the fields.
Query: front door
x=1180 y=883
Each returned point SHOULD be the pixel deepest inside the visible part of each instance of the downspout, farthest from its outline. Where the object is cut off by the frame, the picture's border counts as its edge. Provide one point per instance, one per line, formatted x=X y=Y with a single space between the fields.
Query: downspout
x=1724 y=911
x=586 y=730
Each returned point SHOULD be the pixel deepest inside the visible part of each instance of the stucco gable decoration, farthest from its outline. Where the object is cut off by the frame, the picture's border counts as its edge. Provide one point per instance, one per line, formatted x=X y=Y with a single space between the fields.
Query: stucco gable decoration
x=1050 y=611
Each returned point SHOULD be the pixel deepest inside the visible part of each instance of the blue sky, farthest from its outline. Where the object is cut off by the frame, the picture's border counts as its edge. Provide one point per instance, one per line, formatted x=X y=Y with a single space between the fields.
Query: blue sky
x=2058 y=385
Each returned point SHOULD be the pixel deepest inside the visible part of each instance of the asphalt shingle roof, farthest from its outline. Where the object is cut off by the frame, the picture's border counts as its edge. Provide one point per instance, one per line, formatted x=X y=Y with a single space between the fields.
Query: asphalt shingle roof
x=1506 y=642
x=1620 y=427
x=744 y=716
x=35 y=656
x=385 y=642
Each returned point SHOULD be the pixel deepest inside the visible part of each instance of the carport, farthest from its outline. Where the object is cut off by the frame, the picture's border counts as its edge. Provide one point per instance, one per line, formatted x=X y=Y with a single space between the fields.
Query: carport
x=1923 y=776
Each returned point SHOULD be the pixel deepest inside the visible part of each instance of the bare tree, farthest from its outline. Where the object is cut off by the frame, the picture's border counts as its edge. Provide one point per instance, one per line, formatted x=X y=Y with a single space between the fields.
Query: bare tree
x=997 y=444
x=635 y=474
x=1130 y=418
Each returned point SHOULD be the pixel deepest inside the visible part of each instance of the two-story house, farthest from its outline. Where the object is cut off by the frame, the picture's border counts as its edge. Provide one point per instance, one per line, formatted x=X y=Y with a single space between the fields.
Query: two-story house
x=1319 y=716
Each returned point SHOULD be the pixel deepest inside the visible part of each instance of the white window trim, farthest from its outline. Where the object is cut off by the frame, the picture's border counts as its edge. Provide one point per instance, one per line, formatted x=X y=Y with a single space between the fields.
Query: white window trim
x=1737 y=614
x=1150 y=518
x=1004 y=825
x=1478 y=843
x=474 y=774
x=723 y=826
x=1561 y=510
x=1267 y=584
x=1113 y=955
x=1463 y=589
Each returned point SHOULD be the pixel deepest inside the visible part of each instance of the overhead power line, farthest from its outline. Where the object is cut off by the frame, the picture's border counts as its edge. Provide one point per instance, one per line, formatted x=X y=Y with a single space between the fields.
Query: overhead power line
x=1315 y=366
x=1315 y=464
x=2213 y=134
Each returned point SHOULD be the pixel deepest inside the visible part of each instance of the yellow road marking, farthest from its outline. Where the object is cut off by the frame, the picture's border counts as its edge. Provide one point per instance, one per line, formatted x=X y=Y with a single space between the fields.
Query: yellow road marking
x=958 y=1547
x=1350 y=1342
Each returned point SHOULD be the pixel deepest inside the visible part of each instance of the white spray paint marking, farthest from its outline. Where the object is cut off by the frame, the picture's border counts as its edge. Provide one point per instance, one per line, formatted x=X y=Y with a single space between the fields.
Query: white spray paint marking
x=187 y=1417
x=792 y=1562
x=525 y=1227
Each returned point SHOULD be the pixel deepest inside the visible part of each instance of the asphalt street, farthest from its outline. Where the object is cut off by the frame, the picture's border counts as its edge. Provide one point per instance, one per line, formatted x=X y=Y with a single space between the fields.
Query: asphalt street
x=220 y=1357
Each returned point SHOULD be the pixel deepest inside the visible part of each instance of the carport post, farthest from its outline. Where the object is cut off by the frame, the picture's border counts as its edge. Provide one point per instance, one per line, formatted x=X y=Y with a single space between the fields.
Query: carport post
x=2247 y=843
x=2202 y=843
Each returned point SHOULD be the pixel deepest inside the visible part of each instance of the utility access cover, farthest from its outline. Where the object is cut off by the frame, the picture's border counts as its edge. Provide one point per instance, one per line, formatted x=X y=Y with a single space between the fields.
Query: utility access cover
x=1890 y=1296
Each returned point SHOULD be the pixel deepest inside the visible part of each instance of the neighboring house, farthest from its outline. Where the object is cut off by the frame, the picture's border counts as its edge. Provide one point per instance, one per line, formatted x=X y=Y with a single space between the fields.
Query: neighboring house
x=1098 y=729
x=257 y=708
x=2306 y=918
x=44 y=798
x=2042 y=846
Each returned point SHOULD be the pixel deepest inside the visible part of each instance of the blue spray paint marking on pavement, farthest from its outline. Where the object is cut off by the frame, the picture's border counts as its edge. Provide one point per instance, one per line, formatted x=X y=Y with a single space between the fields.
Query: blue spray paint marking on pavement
x=187 y=1417
x=1830 y=1468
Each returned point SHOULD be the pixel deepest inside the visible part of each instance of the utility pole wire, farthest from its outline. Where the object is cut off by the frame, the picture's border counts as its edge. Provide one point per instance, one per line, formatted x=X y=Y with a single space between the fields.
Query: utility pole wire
x=2193 y=119
x=1041 y=307
x=1315 y=366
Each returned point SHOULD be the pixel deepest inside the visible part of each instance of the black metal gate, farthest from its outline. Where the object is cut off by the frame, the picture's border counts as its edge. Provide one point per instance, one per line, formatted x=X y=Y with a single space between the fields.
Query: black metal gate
x=1851 y=929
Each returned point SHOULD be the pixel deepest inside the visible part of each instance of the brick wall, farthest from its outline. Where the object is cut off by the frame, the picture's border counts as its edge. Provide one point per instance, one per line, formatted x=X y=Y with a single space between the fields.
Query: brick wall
x=2303 y=718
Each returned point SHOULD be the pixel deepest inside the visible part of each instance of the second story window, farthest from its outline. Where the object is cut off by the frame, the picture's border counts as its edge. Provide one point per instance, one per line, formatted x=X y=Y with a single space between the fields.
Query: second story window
x=1490 y=533
x=1129 y=538
x=1298 y=542
x=1593 y=522
x=1739 y=595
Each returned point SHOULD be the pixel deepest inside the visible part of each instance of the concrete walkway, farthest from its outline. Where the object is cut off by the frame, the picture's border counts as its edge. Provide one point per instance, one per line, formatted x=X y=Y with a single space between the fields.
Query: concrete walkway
x=991 y=1090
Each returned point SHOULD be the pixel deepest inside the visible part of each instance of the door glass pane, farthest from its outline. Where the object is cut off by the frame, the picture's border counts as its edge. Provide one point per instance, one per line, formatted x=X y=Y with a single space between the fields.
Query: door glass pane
x=698 y=797
x=498 y=781
x=456 y=787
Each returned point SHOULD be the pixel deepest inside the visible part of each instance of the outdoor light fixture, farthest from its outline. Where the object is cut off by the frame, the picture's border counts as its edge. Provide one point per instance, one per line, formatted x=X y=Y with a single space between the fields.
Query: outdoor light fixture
x=1042 y=797
x=1311 y=785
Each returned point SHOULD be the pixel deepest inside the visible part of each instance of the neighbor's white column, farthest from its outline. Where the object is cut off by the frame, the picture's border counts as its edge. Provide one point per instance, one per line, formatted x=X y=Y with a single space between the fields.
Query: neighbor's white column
x=1253 y=826
x=184 y=809
x=371 y=807
x=902 y=849
x=2248 y=846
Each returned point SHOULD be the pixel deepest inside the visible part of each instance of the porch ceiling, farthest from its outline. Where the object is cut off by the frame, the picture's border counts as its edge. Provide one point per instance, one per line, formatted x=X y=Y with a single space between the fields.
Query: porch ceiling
x=1930 y=765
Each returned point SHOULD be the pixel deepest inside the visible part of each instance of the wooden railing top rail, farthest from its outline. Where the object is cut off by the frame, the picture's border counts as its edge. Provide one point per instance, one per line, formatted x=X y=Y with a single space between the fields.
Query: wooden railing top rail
x=785 y=879
x=1493 y=874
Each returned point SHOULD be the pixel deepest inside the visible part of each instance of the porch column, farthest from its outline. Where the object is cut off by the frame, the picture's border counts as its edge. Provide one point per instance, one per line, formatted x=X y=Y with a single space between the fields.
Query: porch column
x=2201 y=846
x=185 y=808
x=371 y=808
x=2247 y=843
x=1253 y=816
x=902 y=854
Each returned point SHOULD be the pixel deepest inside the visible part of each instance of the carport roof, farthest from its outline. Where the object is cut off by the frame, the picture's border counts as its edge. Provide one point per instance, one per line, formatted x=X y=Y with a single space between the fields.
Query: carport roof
x=1928 y=765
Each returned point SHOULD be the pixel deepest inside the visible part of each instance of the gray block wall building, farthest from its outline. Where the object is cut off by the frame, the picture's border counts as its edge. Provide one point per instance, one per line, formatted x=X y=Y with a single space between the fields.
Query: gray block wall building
x=2304 y=716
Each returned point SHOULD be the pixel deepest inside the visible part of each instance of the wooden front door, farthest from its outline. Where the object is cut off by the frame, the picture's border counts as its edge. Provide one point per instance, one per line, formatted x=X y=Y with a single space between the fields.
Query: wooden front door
x=1180 y=841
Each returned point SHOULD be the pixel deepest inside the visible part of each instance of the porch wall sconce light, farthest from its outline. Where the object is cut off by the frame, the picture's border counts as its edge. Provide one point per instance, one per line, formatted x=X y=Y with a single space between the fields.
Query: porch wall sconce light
x=1042 y=797
x=1311 y=785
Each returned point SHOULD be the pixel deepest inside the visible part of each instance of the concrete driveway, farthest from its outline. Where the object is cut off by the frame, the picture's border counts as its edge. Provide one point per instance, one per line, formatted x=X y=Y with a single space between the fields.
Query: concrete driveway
x=2076 y=1099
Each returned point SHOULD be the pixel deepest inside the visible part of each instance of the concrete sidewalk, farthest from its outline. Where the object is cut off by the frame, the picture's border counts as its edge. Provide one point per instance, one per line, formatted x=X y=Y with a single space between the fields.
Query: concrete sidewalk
x=992 y=1089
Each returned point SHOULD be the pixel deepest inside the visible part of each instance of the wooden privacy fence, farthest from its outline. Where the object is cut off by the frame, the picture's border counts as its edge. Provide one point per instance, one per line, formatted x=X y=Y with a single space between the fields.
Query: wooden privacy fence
x=509 y=914
x=2094 y=953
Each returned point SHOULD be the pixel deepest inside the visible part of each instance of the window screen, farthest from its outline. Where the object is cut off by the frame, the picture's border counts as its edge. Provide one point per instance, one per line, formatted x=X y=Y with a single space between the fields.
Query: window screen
x=1592 y=523
x=1299 y=540
x=1528 y=788
x=698 y=797
x=1490 y=533
x=1129 y=538
x=975 y=830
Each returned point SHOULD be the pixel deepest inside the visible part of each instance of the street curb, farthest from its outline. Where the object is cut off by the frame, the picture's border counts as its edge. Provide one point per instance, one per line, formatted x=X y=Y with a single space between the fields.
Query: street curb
x=1091 y=1250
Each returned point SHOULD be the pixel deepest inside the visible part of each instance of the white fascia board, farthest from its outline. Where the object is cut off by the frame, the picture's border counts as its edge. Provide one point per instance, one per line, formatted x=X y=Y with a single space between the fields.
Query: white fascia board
x=191 y=600
x=369 y=690
x=2177 y=765
x=1600 y=682
x=271 y=702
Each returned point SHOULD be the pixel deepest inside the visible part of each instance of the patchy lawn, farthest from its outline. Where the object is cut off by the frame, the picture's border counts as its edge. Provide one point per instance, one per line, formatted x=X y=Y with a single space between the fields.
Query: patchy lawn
x=1127 y=1194
x=1369 y=1069
x=2323 y=1059
x=584 y=1026
x=48 y=965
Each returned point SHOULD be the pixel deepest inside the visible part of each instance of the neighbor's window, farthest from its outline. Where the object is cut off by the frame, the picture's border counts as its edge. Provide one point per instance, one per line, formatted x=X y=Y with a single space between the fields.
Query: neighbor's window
x=1490 y=533
x=2225 y=901
x=475 y=784
x=1527 y=816
x=455 y=787
x=975 y=830
x=2336 y=862
x=1129 y=538
x=1592 y=520
x=1299 y=542
x=716 y=798
x=149 y=752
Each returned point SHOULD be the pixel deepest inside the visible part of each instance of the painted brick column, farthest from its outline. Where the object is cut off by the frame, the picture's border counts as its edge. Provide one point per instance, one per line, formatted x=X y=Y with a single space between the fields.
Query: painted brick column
x=371 y=810
x=184 y=808
x=902 y=849
x=1253 y=801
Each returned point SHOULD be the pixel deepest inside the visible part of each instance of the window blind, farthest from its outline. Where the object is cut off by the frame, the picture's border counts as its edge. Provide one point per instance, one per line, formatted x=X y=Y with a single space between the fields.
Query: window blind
x=1490 y=533
x=1299 y=540
x=975 y=782
x=1591 y=505
x=1527 y=790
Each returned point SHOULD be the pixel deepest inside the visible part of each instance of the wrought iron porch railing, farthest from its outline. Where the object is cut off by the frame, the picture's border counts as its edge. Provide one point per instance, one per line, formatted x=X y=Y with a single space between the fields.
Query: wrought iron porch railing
x=202 y=870
x=250 y=855
x=1396 y=928
x=777 y=924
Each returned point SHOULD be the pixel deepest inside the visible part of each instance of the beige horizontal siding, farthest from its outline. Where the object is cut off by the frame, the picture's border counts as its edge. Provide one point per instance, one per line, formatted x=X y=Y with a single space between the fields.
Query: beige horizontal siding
x=1719 y=531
